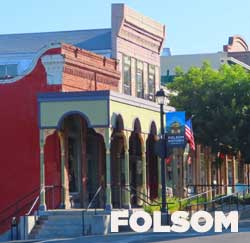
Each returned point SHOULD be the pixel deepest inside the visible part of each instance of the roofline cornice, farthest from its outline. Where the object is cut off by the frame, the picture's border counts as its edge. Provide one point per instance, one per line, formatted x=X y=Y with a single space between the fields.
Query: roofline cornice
x=102 y=95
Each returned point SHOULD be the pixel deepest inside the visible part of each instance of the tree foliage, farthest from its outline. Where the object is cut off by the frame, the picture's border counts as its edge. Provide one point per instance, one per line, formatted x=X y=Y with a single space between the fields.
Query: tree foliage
x=219 y=101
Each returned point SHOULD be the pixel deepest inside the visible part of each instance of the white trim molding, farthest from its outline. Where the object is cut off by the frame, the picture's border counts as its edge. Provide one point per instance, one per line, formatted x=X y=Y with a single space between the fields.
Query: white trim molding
x=33 y=63
x=53 y=65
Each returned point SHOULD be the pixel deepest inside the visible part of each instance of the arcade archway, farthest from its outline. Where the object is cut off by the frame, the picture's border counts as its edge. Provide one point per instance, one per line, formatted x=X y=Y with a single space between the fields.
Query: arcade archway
x=84 y=169
x=118 y=146
x=136 y=165
x=152 y=163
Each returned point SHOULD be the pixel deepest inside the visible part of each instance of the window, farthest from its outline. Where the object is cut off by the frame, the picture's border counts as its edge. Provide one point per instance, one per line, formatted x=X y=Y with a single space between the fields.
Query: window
x=8 y=71
x=139 y=79
x=151 y=82
x=126 y=75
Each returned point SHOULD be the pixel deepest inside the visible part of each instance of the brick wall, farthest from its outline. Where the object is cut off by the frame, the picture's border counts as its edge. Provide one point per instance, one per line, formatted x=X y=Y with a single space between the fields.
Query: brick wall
x=85 y=70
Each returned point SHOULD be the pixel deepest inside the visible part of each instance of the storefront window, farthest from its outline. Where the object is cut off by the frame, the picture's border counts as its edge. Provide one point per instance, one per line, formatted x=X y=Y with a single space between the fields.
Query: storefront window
x=127 y=75
x=139 y=79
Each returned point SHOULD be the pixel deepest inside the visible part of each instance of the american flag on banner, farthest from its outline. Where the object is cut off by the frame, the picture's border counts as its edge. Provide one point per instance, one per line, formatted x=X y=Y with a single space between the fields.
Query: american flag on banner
x=189 y=134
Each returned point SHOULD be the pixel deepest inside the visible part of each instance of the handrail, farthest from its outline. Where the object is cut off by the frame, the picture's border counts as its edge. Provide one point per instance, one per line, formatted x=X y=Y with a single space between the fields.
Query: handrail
x=142 y=198
x=33 y=205
x=214 y=200
x=196 y=195
x=153 y=200
x=20 y=205
x=84 y=211
x=94 y=197
x=143 y=194
x=19 y=200
x=37 y=198
x=219 y=199
x=13 y=214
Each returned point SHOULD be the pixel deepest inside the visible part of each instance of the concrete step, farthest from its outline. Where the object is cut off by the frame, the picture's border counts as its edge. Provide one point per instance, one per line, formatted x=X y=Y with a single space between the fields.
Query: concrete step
x=58 y=224
x=71 y=231
x=53 y=231
x=68 y=223
x=65 y=218
x=54 y=235
x=62 y=223
x=61 y=212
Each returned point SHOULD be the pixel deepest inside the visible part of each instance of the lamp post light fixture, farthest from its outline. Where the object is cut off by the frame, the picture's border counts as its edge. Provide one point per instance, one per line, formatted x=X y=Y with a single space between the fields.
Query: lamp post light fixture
x=161 y=99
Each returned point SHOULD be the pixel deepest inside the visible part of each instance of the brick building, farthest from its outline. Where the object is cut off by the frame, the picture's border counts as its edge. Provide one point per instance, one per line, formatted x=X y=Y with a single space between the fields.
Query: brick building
x=78 y=114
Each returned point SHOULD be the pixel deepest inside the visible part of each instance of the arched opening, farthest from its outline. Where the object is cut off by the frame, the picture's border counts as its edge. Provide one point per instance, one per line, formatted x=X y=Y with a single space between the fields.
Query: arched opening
x=74 y=128
x=96 y=177
x=84 y=162
x=118 y=163
x=152 y=163
x=52 y=170
x=135 y=165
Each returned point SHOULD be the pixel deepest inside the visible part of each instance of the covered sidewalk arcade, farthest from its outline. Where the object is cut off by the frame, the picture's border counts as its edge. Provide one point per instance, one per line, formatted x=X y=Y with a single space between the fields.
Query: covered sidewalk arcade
x=106 y=139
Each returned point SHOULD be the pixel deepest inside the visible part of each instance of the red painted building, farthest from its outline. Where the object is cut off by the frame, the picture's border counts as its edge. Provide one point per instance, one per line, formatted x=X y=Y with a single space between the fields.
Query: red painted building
x=31 y=64
x=81 y=70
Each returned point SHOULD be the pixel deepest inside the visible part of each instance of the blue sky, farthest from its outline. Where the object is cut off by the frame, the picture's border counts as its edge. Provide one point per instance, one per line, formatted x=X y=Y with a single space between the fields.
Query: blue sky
x=193 y=26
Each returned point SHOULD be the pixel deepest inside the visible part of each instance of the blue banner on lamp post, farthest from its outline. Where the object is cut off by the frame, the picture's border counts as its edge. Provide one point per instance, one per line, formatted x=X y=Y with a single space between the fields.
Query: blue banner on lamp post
x=175 y=129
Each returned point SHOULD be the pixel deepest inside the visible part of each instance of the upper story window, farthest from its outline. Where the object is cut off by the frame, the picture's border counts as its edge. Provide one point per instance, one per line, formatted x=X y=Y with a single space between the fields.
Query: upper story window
x=126 y=75
x=139 y=79
x=8 y=71
x=151 y=82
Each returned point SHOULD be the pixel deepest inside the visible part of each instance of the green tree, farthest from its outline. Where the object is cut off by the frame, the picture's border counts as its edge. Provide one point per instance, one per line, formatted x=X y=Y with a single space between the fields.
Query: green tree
x=219 y=101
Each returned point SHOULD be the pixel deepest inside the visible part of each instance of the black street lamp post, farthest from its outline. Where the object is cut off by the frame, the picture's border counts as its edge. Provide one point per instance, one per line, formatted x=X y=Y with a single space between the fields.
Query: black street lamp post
x=161 y=99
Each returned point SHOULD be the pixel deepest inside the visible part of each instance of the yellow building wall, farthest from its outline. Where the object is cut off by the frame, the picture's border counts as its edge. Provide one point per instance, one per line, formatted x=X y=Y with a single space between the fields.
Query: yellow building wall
x=129 y=113
x=96 y=111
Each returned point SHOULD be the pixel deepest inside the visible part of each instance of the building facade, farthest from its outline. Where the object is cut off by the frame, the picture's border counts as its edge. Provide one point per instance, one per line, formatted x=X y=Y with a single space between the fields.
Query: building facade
x=235 y=52
x=79 y=117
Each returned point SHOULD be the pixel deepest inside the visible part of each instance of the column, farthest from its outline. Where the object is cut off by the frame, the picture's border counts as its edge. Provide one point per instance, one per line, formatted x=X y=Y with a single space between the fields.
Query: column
x=222 y=176
x=42 y=206
x=144 y=172
x=226 y=174
x=233 y=174
x=209 y=172
x=245 y=173
x=218 y=179
x=108 y=206
x=159 y=176
x=126 y=203
x=198 y=168
x=63 y=187
x=175 y=173
x=247 y=176
x=84 y=167
x=185 y=169
x=193 y=166
x=181 y=176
